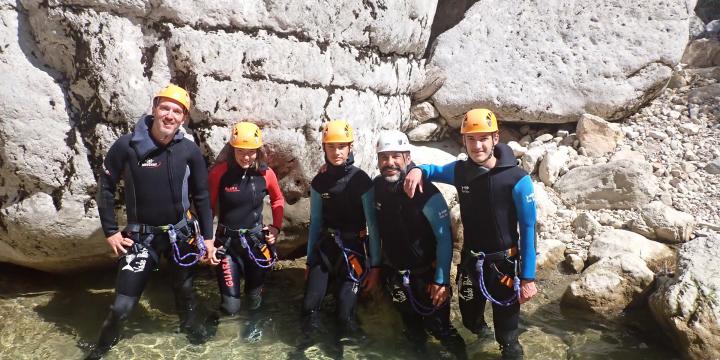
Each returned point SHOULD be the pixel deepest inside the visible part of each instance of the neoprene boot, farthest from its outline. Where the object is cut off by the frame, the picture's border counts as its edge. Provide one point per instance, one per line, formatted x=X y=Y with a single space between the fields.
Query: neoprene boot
x=509 y=345
x=110 y=331
x=455 y=344
x=255 y=298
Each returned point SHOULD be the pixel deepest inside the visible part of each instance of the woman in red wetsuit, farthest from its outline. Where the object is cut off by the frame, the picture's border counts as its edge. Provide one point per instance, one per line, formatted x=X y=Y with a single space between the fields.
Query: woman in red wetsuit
x=245 y=245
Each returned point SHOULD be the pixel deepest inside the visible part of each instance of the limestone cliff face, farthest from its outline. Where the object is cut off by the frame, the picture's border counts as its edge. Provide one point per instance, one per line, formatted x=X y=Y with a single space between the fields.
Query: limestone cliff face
x=78 y=74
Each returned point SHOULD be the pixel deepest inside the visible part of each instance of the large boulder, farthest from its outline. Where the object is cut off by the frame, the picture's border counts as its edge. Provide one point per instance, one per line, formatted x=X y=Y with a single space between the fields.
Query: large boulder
x=702 y=53
x=82 y=72
x=553 y=163
x=687 y=305
x=620 y=184
x=598 y=136
x=47 y=215
x=610 y=285
x=552 y=61
x=615 y=242
x=663 y=223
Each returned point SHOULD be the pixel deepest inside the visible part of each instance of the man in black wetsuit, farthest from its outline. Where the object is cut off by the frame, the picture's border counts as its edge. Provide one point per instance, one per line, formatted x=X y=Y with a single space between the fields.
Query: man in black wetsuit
x=416 y=248
x=163 y=173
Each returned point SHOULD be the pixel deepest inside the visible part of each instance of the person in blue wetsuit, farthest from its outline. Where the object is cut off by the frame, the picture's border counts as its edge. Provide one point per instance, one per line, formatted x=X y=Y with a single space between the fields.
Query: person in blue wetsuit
x=416 y=247
x=497 y=207
x=163 y=172
x=343 y=247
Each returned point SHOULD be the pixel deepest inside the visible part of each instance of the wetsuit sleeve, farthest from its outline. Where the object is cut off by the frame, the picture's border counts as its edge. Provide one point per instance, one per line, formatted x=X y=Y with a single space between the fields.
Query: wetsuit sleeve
x=436 y=211
x=277 y=201
x=107 y=184
x=368 y=201
x=316 y=223
x=216 y=173
x=200 y=193
x=444 y=174
x=524 y=199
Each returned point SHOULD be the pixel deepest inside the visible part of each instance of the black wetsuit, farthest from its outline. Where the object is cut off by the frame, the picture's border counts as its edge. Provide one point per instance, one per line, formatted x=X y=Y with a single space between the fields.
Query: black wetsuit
x=160 y=182
x=341 y=197
x=497 y=207
x=416 y=237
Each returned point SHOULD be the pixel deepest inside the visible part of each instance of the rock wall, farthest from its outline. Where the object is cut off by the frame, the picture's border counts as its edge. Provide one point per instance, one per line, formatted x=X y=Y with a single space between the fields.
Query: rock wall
x=84 y=71
x=552 y=61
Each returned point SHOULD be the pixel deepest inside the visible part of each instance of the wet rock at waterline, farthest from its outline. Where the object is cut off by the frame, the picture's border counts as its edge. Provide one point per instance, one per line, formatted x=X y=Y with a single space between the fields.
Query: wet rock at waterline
x=610 y=285
x=687 y=305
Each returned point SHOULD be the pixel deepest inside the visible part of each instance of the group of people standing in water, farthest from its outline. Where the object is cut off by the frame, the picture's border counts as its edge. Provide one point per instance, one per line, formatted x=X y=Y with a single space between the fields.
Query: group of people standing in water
x=392 y=232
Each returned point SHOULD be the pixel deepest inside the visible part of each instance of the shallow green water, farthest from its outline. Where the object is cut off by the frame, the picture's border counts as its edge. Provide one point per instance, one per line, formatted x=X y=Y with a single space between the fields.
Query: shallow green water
x=56 y=317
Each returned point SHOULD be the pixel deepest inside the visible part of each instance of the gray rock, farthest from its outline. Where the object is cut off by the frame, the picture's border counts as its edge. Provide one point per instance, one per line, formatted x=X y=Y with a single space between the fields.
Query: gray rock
x=544 y=138
x=553 y=162
x=574 y=263
x=610 y=285
x=621 y=184
x=615 y=242
x=424 y=132
x=667 y=224
x=518 y=150
x=531 y=159
x=713 y=167
x=546 y=208
x=686 y=305
x=528 y=85
x=598 y=136
x=424 y=111
x=701 y=53
x=550 y=253
x=585 y=224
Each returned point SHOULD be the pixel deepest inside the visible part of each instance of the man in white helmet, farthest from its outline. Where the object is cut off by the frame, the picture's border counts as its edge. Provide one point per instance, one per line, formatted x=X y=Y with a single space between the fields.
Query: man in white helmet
x=416 y=248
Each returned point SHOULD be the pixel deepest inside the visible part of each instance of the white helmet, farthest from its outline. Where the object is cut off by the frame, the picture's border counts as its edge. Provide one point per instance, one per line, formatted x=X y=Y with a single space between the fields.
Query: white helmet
x=392 y=140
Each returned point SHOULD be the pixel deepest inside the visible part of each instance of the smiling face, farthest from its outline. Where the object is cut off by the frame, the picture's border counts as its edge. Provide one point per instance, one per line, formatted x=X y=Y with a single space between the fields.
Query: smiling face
x=479 y=146
x=168 y=116
x=392 y=164
x=245 y=157
x=337 y=153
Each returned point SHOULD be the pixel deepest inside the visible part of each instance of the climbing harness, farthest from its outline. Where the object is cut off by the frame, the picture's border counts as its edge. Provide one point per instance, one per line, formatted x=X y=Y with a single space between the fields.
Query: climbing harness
x=481 y=257
x=419 y=308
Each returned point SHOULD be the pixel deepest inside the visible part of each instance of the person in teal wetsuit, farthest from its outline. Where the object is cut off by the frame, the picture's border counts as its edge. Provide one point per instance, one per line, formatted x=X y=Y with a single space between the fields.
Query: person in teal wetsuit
x=497 y=207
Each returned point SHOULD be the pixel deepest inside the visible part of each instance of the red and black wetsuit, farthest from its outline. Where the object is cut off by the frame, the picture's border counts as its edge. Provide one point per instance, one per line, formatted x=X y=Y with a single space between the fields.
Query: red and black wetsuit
x=237 y=195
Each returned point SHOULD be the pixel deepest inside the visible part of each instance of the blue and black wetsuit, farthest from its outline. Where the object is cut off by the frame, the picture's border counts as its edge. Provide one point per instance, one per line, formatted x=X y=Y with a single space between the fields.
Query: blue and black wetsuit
x=341 y=209
x=160 y=182
x=494 y=205
x=416 y=236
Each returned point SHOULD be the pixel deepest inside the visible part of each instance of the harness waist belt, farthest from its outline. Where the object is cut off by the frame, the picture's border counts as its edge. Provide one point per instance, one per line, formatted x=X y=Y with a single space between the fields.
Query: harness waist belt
x=226 y=231
x=346 y=234
x=501 y=255
x=150 y=229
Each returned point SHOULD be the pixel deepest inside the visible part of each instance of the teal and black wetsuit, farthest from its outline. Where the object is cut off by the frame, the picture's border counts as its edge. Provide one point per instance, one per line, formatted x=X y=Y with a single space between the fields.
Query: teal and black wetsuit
x=341 y=207
x=494 y=205
x=416 y=236
x=160 y=182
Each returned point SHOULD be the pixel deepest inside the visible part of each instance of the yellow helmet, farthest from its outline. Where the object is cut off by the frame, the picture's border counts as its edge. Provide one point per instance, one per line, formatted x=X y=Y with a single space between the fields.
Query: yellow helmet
x=479 y=121
x=245 y=135
x=176 y=93
x=337 y=131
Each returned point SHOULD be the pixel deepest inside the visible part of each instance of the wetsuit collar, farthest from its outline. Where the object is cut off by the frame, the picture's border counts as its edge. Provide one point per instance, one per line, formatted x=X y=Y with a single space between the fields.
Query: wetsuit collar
x=143 y=142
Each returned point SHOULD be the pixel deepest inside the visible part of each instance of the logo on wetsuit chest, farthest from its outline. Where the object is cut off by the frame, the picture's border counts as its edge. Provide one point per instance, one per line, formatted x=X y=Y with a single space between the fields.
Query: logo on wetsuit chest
x=378 y=206
x=465 y=189
x=232 y=188
x=325 y=195
x=151 y=163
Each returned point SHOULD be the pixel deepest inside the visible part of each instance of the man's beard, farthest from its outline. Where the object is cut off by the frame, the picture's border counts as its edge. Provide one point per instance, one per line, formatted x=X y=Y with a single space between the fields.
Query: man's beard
x=394 y=178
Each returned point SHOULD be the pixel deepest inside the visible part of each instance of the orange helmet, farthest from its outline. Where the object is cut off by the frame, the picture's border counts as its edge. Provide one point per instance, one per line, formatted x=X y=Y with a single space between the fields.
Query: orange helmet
x=176 y=93
x=337 y=131
x=479 y=121
x=245 y=135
